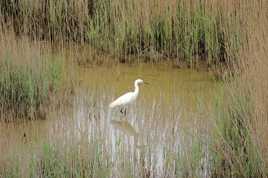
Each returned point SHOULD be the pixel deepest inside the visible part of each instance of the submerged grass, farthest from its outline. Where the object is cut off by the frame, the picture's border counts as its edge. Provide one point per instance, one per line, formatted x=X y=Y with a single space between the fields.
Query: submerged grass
x=84 y=143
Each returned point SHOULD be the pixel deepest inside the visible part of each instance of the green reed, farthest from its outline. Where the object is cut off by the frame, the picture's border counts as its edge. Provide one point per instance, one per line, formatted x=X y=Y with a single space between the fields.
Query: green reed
x=155 y=29
x=234 y=150
x=26 y=90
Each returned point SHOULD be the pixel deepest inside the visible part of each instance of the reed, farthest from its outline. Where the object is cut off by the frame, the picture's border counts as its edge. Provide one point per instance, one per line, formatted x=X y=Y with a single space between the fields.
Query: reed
x=176 y=30
x=234 y=149
x=240 y=139
x=28 y=80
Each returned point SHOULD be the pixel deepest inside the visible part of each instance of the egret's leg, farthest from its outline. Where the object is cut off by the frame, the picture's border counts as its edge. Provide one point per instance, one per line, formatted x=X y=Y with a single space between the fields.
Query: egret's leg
x=121 y=110
x=125 y=111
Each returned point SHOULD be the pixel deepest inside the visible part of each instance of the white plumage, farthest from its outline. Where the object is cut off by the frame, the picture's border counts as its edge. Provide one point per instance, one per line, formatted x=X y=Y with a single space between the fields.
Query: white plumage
x=129 y=97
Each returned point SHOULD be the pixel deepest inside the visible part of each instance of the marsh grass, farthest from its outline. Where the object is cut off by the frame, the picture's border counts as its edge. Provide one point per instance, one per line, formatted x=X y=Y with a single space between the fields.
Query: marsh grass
x=176 y=30
x=232 y=142
x=242 y=113
x=234 y=150
x=54 y=162
x=27 y=81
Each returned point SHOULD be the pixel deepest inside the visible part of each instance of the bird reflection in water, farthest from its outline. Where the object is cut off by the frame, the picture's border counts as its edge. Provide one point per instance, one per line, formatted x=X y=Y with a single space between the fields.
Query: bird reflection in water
x=125 y=127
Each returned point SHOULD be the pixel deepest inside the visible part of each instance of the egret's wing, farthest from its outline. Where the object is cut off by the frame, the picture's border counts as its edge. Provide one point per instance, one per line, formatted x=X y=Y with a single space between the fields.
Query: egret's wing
x=122 y=100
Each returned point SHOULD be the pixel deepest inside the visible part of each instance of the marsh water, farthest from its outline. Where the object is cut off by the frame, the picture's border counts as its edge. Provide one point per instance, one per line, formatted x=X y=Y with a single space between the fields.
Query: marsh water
x=165 y=126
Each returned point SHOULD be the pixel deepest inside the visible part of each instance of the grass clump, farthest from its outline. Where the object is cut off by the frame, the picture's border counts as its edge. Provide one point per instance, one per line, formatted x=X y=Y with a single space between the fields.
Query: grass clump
x=51 y=165
x=27 y=89
x=235 y=153
x=54 y=162
x=239 y=147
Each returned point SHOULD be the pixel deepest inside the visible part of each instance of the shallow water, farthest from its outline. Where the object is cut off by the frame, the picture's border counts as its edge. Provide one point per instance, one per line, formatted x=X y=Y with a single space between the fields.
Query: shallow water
x=165 y=123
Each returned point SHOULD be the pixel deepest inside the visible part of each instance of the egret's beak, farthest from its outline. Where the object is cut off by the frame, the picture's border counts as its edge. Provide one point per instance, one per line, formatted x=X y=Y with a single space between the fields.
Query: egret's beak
x=146 y=83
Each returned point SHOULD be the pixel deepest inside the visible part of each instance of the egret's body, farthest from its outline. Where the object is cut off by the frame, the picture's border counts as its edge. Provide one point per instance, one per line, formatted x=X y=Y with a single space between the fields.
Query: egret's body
x=127 y=98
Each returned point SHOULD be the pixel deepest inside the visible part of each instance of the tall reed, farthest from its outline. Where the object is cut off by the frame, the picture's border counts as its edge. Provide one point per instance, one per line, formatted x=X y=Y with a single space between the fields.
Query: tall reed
x=177 y=29
x=28 y=80
x=240 y=138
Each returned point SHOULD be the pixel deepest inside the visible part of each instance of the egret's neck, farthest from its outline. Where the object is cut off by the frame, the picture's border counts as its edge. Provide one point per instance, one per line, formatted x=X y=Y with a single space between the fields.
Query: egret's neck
x=136 y=91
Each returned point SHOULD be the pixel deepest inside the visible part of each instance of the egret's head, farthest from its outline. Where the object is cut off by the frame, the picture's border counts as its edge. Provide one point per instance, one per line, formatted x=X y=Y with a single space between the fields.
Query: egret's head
x=138 y=81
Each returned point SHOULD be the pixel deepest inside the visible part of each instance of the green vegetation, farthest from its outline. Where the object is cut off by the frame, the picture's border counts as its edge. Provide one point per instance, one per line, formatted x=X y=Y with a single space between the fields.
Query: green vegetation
x=177 y=31
x=53 y=163
x=26 y=89
x=155 y=29
x=231 y=141
x=234 y=151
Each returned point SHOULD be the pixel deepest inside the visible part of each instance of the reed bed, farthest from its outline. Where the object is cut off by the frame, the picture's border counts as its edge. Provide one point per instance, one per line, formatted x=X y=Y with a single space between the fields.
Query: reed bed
x=240 y=137
x=28 y=79
x=175 y=30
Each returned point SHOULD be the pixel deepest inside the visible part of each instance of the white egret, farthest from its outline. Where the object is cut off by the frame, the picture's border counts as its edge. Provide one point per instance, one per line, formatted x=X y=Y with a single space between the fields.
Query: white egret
x=127 y=98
